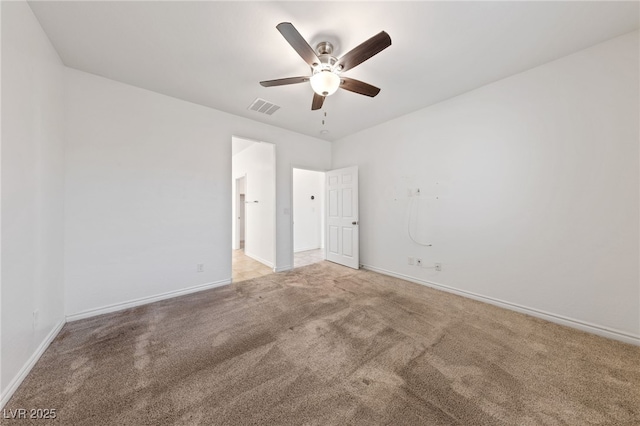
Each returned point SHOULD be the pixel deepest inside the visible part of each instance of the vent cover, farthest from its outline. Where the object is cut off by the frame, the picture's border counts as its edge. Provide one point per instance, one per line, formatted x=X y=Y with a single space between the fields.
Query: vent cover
x=264 y=107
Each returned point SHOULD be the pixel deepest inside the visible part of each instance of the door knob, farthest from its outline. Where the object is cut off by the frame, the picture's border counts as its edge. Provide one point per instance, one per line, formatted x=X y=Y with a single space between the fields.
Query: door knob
x=354 y=223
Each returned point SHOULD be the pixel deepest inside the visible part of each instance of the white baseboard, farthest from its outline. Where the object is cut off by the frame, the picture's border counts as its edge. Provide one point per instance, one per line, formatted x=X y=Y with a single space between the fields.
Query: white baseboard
x=259 y=259
x=558 y=319
x=17 y=380
x=283 y=268
x=300 y=250
x=145 y=300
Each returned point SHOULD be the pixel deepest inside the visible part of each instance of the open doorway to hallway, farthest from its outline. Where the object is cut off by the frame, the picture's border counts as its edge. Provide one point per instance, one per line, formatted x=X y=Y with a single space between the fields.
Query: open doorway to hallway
x=308 y=202
x=253 y=217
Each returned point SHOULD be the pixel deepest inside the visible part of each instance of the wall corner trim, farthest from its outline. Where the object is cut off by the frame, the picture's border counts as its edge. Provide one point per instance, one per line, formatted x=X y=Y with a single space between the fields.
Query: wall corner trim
x=24 y=371
x=283 y=268
x=145 y=300
x=258 y=258
x=554 y=318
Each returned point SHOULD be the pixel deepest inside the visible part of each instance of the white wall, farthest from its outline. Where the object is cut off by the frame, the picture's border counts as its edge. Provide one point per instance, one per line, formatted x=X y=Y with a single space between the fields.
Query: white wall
x=32 y=193
x=529 y=189
x=148 y=191
x=257 y=164
x=307 y=213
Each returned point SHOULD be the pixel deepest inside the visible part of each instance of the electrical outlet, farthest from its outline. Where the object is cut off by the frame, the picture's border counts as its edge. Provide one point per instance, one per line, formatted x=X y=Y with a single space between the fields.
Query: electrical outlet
x=418 y=262
x=438 y=266
x=411 y=260
x=200 y=267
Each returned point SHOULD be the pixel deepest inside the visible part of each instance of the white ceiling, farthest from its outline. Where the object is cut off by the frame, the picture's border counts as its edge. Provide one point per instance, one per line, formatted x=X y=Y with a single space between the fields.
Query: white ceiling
x=215 y=53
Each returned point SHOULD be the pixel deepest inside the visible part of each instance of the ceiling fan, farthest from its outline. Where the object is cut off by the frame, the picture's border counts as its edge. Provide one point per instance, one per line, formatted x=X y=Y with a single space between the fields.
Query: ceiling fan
x=326 y=70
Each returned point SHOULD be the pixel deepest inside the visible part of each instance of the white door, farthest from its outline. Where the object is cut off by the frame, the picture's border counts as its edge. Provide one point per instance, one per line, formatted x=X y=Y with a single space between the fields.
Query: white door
x=342 y=217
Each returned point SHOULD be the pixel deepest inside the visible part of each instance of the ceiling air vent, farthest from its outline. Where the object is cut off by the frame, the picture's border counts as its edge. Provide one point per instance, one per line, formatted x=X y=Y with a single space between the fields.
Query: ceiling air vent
x=265 y=107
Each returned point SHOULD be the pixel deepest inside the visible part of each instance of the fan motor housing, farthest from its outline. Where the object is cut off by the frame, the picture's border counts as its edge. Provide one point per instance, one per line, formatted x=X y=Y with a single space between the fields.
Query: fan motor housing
x=327 y=62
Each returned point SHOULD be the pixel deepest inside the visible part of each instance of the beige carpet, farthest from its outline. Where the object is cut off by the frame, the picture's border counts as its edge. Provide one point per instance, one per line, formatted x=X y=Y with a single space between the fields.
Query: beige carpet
x=326 y=345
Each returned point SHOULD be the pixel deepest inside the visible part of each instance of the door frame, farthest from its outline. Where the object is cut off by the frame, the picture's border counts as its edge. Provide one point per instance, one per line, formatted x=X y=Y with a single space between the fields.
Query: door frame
x=324 y=214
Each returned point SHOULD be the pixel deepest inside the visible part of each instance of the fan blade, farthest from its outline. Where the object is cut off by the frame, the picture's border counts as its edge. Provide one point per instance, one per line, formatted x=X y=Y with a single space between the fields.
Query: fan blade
x=298 y=43
x=318 y=100
x=358 y=86
x=364 y=51
x=283 y=81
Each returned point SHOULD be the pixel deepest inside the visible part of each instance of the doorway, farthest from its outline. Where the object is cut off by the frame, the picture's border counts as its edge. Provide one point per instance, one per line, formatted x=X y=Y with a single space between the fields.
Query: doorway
x=254 y=200
x=308 y=201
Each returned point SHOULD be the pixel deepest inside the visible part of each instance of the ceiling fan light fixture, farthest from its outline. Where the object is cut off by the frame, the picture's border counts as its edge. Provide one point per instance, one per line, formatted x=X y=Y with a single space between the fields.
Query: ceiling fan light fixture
x=325 y=82
x=326 y=70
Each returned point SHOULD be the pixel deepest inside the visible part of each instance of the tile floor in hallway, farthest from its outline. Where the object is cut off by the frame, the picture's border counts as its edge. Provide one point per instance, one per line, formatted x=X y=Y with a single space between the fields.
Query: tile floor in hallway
x=246 y=268
x=308 y=257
